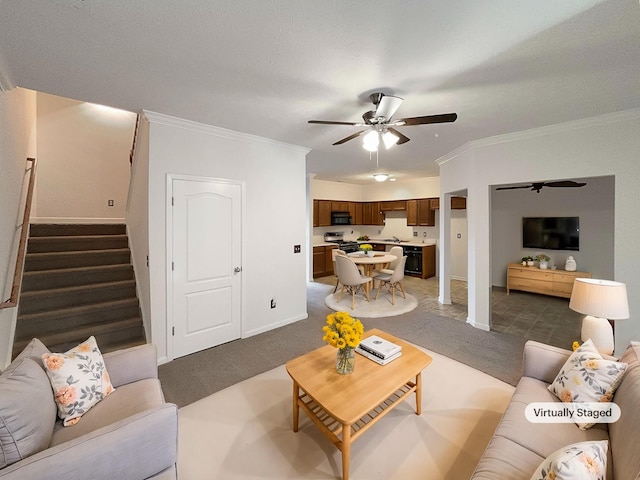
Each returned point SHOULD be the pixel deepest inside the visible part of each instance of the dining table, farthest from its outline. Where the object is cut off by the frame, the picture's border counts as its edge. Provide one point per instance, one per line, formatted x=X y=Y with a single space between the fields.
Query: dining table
x=369 y=263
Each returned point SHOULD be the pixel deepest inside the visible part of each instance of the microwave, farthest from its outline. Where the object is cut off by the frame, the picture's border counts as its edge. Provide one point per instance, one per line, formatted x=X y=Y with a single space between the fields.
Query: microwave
x=340 y=218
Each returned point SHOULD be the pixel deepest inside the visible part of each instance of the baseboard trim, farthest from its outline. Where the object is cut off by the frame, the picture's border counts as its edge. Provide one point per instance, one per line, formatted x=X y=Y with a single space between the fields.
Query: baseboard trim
x=266 y=328
x=77 y=220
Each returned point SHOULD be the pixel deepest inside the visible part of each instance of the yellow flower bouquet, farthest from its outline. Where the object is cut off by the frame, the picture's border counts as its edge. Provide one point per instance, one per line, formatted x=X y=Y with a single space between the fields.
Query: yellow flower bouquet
x=365 y=247
x=343 y=332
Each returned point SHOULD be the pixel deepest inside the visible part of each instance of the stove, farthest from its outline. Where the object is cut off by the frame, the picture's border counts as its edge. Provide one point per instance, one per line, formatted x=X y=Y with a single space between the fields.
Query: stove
x=338 y=237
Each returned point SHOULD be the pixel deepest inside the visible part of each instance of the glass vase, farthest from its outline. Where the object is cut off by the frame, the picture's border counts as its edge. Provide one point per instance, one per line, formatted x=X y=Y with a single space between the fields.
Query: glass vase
x=345 y=360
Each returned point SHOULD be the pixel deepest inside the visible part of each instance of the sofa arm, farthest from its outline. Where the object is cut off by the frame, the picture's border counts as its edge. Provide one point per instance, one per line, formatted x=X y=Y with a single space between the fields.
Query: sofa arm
x=542 y=361
x=132 y=364
x=136 y=447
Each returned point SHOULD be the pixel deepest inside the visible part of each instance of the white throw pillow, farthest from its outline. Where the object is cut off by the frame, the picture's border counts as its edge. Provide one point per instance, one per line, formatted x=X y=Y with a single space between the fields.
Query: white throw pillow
x=578 y=461
x=79 y=379
x=587 y=377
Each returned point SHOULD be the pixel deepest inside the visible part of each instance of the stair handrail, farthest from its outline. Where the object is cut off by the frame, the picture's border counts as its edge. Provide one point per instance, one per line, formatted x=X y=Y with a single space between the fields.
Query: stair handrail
x=135 y=136
x=22 y=245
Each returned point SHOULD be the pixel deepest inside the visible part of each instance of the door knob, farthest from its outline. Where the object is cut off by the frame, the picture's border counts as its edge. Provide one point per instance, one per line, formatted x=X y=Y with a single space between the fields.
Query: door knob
x=237 y=270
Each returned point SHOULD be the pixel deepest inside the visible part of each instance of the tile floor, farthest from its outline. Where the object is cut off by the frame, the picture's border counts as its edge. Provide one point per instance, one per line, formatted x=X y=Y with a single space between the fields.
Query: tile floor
x=528 y=315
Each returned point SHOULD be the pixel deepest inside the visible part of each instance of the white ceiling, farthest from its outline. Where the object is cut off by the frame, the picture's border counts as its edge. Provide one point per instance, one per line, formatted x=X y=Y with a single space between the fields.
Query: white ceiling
x=265 y=67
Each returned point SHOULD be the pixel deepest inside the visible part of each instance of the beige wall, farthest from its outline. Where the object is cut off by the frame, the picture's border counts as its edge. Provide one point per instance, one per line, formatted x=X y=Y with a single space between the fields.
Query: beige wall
x=17 y=142
x=84 y=161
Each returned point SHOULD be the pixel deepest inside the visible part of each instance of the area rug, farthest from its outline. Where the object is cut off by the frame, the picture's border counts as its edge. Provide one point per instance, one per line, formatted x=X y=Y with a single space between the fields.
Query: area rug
x=244 y=431
x=382 y=307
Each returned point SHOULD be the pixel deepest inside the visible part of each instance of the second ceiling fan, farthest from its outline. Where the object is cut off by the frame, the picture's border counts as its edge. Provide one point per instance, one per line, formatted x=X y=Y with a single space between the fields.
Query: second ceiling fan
x=380 y=124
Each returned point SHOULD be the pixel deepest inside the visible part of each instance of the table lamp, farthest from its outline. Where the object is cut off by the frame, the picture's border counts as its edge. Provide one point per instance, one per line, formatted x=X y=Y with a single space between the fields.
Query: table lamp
x=601 y=301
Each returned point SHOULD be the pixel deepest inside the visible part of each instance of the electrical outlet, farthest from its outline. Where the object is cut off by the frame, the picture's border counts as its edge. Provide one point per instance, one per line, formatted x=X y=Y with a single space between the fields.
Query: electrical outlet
x=296 y=249
x=273 y=303
x=424 y=234
x=415 y=234
x=110 y=203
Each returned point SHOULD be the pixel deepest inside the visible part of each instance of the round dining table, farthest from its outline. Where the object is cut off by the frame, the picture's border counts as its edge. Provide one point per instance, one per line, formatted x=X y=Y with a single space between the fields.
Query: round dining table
x=369 y=263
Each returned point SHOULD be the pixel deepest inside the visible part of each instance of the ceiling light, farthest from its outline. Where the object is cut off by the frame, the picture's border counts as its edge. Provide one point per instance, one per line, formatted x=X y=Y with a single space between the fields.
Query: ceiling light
x=389 y=139
x=370 y=141
x=380 y=177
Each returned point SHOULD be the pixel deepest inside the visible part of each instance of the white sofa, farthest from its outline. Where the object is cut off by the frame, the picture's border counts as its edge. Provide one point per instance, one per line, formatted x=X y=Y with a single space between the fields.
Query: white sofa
x=132 y=433
x=518 y=446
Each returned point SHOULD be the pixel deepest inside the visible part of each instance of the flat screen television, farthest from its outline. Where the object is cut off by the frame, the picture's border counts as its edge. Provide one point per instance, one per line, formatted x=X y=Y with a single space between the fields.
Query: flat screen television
x=551 y=233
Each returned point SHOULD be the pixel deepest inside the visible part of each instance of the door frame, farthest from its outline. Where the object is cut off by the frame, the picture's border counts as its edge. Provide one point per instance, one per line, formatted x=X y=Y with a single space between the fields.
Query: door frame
x=170 y=177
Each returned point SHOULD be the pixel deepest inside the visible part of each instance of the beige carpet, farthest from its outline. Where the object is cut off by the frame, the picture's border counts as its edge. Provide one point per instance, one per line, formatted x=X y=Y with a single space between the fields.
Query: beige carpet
x=244 y=432
x=373 y=309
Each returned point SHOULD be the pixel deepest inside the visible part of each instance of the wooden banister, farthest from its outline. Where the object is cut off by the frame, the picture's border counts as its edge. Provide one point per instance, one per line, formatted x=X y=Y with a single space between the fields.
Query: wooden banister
x=22 y=246
x=135 y=135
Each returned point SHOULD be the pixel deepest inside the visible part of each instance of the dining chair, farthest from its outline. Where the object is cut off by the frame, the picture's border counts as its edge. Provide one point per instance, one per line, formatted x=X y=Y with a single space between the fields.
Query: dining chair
x=394 y=280
x=350 y=278
x=334 y=252
x=396 y=252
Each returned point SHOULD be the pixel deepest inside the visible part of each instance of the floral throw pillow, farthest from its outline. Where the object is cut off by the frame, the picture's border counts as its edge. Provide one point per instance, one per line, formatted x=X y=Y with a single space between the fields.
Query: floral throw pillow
x=578 y=461
x=587 y=377
x=79 y=380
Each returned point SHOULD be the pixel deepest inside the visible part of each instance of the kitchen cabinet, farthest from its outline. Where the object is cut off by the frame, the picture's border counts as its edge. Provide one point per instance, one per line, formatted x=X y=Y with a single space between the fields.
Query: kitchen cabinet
x=393 y=205
x=420 y=213
x=457 y=203
x=339 y=206
x=323 y=260
x=558 y=283
x=357 y=218
x=371 y=214
x=324 y=213
x=421 y=261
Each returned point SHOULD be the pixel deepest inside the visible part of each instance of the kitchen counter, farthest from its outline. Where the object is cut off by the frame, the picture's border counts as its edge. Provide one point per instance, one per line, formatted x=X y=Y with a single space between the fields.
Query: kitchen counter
x=410 y=243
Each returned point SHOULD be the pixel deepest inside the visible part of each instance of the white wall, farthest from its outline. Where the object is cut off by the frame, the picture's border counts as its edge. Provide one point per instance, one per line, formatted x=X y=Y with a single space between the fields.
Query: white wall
x=17 y=143
x=595 y=147
x=593 y=203
x=84 y=161
x=274 y=220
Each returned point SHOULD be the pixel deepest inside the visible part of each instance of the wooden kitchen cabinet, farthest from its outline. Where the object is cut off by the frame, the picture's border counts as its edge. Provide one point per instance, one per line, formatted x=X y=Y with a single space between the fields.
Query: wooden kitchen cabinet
x=323 y=260
x=558 y=283
x=324 y=213
x=420 y=213
x=357 y=218
x=339 y=206
x=457 y=203
x=393 y=205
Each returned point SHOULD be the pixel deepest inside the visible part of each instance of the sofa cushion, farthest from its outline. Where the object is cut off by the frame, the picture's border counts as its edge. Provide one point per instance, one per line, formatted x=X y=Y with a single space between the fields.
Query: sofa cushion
x=579 y=461
x=27 y=411
x=79 y=379
x=625 y=433
x=34 y=350
x=125 y=402
x=506 y=459
x=587 y=377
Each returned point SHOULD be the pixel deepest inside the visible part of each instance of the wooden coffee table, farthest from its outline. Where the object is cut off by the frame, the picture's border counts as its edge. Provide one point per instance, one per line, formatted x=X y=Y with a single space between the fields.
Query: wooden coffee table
x=343 y=407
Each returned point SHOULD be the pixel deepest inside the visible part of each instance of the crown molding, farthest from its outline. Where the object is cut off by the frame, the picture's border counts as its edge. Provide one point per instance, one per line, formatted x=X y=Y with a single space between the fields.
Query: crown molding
x=162 y=119
x=606 y=119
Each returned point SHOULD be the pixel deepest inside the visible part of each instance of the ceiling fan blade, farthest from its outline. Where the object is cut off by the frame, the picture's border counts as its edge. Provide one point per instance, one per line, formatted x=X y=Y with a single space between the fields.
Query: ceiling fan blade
x=442 y=118
x=514 y=188
x=387 y=106
x=565 y=183
x=350 y=137
x=403 y=138
x=329 y=122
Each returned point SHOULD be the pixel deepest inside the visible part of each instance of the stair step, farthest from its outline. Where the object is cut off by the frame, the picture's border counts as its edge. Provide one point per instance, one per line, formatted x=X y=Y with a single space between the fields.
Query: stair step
x=79 y=242
x=57 y=260
x=106 y=334
x=34 y=324
x=46 y=300
x=59 y=229
x=69 y=277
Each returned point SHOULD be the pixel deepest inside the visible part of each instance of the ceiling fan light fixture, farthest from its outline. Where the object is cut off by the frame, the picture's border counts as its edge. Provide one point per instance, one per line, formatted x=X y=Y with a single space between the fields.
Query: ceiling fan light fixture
x=370 y=141
x=380 y=177
x=389 y=139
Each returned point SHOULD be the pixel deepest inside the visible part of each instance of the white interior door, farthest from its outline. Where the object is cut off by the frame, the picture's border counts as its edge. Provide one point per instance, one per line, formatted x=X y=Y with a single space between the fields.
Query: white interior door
x=206 y=264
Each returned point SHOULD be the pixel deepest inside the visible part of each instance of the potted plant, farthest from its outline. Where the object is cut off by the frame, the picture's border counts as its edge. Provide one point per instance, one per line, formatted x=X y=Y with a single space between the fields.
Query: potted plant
x=543 y=260
x=527 y=261
x=367 y=249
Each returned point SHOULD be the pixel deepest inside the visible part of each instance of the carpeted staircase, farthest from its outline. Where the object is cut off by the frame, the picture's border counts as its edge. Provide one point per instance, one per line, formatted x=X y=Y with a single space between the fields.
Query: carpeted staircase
x=78 y=281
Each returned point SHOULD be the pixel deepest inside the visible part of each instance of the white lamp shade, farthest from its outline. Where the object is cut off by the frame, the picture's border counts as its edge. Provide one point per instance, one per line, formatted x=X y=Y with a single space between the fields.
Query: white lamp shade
x=370 y=141
x=600 y=298
x=389 y=139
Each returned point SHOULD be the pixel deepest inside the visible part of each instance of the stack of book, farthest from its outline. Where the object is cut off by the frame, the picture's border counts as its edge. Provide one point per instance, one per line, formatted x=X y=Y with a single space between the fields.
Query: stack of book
x=379 y=350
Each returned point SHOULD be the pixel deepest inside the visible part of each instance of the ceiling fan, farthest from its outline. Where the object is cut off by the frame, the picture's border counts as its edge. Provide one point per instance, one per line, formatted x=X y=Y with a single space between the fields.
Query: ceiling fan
x=537 y=186
x=381 y=126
